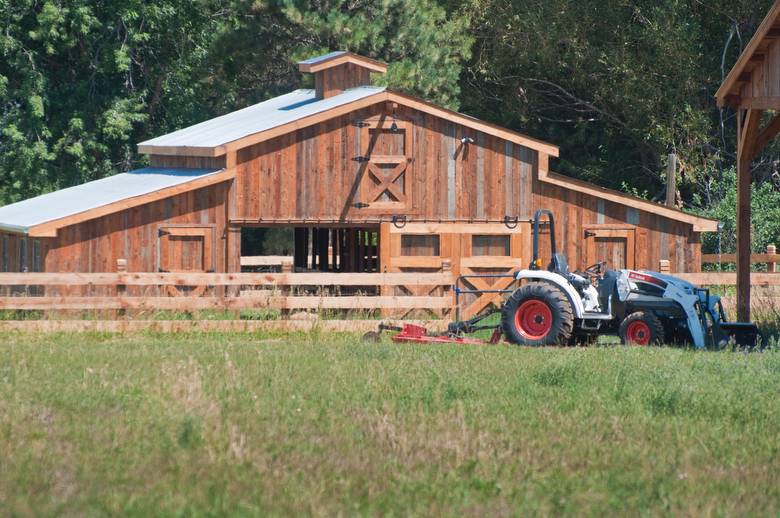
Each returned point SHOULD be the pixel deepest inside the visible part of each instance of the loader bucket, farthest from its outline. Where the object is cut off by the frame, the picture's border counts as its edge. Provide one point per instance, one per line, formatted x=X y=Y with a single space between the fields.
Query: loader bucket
x=743 y=334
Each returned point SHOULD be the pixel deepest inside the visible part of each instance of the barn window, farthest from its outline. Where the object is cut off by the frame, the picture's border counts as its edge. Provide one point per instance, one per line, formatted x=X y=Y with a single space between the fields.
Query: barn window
x=420 y=245
x=492 y=246
x=36 y=260
x=6 y=253
x=23 y=255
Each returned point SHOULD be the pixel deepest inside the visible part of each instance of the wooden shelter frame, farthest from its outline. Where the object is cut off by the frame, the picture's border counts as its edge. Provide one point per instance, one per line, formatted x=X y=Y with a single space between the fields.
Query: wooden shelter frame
x=752 y=89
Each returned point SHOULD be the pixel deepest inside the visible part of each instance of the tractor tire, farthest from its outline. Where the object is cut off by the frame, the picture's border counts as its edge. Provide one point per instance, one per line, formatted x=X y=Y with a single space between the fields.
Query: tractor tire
x=641 y=328
x=538 y=314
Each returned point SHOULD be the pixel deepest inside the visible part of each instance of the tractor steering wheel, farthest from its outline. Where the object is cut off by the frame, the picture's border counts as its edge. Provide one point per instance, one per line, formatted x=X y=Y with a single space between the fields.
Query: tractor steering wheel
x=596 y=271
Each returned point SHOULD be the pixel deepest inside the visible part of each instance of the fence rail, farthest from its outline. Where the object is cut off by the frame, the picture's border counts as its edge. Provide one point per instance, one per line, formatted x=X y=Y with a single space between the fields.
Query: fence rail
x=222 y=291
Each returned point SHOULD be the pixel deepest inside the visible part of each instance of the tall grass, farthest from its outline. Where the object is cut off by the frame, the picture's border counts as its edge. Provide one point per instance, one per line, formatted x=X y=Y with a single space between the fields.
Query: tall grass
x=323 y=424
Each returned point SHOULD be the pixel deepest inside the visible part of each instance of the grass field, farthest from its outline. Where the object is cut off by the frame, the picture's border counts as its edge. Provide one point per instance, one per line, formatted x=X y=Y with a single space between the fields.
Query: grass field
x=240 y=424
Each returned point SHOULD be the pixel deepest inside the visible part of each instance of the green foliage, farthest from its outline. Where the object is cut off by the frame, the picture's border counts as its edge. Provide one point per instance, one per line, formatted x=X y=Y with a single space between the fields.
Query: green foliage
x=423 y=46
x=618 y=84
x=82 y=82
x=254 y=424
x=765 y=216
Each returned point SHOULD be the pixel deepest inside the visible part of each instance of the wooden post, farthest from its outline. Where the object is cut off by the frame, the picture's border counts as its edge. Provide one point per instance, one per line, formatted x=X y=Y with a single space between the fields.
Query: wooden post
x=747 y=128
x=286 y=291
x=771 y=266
x=671 y=181
x=121 y=289
x=446 y=267
x=665 y=266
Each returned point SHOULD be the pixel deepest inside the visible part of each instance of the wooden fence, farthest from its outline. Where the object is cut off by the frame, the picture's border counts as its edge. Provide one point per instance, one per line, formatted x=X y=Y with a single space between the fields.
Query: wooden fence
x=217 y=291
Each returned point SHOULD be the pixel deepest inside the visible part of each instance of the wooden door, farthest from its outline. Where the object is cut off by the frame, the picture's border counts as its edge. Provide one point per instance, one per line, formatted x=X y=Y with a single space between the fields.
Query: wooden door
x=387 y=178
x=464 y=249
x=612 y=244
x=186 y=249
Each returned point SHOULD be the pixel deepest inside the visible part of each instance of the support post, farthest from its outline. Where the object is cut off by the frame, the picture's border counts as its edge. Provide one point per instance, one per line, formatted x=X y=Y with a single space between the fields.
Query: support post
x=747 y=127
x=771 y=266
x=671 y=181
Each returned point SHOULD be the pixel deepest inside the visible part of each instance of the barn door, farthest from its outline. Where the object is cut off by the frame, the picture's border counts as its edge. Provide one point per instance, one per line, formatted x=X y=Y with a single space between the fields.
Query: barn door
x=186 y=249
x=386 y=183
x=469 y=249
x=612 y=244
x=489 y=250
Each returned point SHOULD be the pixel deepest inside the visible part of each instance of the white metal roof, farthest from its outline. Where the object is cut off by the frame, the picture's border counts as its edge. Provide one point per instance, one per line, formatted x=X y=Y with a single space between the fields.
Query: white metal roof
x=324 y=57
x=259 y=117
x=19 y=217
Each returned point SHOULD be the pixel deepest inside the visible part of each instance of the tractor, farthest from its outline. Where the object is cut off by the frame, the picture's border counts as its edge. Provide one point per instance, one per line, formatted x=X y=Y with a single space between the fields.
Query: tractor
x=557 y=307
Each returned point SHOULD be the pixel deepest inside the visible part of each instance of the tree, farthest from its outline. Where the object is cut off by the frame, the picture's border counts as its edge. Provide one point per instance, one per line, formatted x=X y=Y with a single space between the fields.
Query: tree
x=618 y=84
x=82 y=81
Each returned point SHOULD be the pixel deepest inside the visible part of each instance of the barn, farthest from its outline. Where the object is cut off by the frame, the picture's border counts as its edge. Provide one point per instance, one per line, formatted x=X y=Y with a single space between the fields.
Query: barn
x=369 y=178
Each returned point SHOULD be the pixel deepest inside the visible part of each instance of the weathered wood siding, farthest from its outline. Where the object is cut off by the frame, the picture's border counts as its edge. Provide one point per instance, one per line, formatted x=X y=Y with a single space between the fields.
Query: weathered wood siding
x=133 y=234
x=20 y=253
x=657 y=237
x=311 y=175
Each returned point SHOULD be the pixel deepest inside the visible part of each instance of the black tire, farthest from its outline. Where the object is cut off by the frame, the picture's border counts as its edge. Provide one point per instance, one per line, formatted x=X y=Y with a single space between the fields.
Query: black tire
x=641 y=328
x=538 y=314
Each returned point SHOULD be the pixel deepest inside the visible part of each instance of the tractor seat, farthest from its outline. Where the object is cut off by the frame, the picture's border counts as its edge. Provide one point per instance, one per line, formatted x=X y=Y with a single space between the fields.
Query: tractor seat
x=560 y=266
x=607 y=288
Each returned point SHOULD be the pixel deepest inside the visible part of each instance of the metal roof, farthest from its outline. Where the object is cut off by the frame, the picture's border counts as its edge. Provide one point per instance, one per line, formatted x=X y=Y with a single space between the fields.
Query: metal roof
x=324 y=57
x=21 y=216
x=259 y=117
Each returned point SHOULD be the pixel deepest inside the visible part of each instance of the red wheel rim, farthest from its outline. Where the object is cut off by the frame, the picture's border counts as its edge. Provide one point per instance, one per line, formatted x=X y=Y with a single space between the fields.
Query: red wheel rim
x=533 y=320
x=638 y=333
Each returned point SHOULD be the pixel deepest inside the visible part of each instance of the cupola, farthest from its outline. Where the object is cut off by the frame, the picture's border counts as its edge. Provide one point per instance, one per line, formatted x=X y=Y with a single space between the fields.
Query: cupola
x=339 y=71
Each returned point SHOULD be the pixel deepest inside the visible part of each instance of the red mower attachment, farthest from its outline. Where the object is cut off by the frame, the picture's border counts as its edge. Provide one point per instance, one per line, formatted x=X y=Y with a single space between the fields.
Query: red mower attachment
x=411 y=333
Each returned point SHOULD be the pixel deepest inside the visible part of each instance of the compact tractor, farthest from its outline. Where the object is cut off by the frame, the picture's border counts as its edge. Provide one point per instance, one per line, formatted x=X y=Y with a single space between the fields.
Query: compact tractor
x=557 y=307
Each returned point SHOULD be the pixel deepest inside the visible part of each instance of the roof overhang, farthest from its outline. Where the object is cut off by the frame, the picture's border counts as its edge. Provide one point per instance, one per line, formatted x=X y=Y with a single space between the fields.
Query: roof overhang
x=699 y=223
x=729 y=92
x=335 y=59
x=49 y=228
x=338 y=111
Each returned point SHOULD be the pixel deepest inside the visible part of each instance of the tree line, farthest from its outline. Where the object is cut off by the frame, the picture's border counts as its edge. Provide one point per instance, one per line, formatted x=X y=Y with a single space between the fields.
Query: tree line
x=617 y=84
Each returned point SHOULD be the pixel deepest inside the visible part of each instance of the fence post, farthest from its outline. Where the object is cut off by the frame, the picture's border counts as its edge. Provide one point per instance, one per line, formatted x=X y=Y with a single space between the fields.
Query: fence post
x=286 y=291
x=121 y=289
x=771 y=266
x=446 y=267
x=664 y=266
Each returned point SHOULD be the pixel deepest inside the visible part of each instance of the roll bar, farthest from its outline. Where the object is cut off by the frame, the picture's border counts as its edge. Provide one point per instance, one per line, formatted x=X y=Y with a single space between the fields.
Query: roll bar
x=537 y=221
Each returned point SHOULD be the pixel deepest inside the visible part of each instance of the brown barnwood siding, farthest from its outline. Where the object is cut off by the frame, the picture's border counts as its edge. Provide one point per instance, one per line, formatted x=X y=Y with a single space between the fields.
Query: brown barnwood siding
x=11 y=252
x=656 y=237
x=333 y=81
x=132 y=234
x=311 y=175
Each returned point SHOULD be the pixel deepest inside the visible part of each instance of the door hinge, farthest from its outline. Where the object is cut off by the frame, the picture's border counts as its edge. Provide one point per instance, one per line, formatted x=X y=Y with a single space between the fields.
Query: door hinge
x=361 y=124
x=361 y=159
x=588 y=234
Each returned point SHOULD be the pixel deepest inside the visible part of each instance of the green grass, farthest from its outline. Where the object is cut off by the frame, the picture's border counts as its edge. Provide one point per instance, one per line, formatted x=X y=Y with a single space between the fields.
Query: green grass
x=323 y=425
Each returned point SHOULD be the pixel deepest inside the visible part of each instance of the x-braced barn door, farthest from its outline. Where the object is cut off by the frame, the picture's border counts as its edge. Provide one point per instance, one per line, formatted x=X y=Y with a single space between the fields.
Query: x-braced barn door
x=613 y=244
x=386 y=183
x=472 y=250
